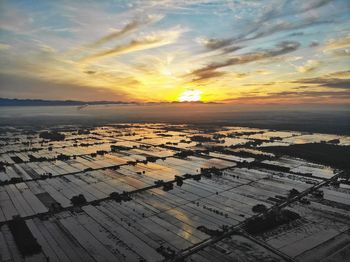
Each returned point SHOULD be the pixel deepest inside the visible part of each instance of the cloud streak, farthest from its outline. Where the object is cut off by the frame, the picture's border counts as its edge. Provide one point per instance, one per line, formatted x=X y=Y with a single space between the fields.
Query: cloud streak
x=209 y=71
x=338 y=43
x=309 y=66
x=327 y=82
x=154 y=40
x=127 y=29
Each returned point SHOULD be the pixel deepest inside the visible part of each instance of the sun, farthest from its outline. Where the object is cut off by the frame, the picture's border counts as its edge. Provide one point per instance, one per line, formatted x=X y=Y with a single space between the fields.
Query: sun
x=190 y=96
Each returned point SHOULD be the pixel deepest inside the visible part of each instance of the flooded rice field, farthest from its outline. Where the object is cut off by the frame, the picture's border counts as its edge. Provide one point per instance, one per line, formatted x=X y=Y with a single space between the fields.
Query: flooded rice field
x=159 y=192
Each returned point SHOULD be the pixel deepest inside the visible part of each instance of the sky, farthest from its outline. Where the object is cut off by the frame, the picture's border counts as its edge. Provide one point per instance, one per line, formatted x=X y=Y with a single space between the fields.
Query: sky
x=224 y=51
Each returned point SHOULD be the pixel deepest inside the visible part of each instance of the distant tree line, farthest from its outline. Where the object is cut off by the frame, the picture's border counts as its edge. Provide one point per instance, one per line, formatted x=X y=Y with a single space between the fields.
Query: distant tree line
x=336 y=156
x=52 y=135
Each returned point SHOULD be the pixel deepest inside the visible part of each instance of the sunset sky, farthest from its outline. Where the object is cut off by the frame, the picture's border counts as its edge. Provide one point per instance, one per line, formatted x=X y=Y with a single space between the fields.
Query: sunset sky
x=227 y=51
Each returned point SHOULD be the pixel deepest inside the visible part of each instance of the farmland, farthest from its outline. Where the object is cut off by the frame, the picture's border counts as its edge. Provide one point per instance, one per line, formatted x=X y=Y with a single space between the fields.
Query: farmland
x=158 y=192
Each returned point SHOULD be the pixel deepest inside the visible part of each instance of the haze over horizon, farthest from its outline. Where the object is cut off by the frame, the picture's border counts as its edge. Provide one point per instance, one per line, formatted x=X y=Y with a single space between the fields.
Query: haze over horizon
x=236 y=52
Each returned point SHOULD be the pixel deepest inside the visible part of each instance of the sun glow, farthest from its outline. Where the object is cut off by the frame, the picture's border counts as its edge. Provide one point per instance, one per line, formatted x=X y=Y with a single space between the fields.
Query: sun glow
x=190 y=96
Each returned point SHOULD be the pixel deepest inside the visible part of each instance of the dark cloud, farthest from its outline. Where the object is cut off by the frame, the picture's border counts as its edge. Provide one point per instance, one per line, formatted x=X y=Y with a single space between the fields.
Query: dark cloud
x=314 y=44
x=225 y=45
x=214 y=44
x=339 y=74
x=90 y=72
x=207 y=74
x=241 y=75
x=231 y=49
x=296 y=34
x=289 y=8
x=264 y=31
x=280 y=49
x=268 y=24
x=303 y=87
x=312 y=4
x=343 y=94
x=128 y=28
x=132 y=26
x=327 y=82
x=274 y=19
x=261 y=84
